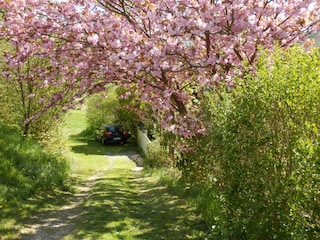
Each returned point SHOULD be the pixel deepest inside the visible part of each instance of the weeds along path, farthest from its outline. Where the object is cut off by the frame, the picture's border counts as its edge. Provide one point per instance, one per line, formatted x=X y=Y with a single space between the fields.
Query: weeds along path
x=118 y=201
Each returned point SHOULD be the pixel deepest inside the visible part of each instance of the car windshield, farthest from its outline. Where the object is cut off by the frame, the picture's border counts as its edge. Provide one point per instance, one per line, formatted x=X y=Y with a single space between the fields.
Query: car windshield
x=111 y=129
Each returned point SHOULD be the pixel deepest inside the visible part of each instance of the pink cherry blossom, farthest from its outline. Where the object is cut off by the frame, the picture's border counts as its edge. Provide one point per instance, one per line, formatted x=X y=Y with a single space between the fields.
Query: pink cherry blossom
x=32 y=95
x=93 y=38
x=163 y=51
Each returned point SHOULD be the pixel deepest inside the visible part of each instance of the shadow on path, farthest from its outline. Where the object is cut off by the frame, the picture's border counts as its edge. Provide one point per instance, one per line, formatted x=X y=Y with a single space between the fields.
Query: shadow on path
x=59 y=222
x=89 y=146
x=116 y=203
x=129 y=206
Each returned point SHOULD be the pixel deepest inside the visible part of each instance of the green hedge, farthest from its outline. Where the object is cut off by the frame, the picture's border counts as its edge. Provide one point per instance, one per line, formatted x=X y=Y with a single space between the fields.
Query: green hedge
x=260 y=161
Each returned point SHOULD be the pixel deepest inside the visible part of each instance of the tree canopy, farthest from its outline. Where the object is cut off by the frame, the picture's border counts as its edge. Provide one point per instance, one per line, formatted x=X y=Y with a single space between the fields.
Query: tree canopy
x=166 y=51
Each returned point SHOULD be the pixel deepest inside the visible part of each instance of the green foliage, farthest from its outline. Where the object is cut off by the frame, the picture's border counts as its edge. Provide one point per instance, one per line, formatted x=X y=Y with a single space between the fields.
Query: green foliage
x=23 y=95
x=102 y=109
x=260 y=159
x=158 y=155
x=27 y=167
x=111 y=108
x=163 y=149
x=127 y=111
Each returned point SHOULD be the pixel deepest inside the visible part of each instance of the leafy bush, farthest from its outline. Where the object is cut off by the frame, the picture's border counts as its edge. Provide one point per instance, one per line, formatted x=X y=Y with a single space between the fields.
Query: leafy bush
x=24 y=95
x=27 y=167
x=158 y=155
x=127 y=113
x=260 y=159
x=102 y=109
x=110 y=109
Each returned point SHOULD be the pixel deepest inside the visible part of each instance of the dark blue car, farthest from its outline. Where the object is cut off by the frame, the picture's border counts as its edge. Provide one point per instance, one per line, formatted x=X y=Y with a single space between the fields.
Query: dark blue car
x=111 y=133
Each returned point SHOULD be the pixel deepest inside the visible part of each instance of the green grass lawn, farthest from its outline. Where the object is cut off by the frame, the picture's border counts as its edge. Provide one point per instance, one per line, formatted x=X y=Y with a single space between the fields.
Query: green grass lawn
x=124 y=204
x=130 y=205
x=120 y=203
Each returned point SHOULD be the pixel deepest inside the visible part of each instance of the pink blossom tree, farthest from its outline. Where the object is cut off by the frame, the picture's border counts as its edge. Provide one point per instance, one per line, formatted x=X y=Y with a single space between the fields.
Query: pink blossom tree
x=167 y=52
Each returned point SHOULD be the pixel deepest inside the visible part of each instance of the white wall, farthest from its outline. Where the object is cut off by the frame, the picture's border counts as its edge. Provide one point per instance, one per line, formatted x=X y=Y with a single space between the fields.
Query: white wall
x=143 y=140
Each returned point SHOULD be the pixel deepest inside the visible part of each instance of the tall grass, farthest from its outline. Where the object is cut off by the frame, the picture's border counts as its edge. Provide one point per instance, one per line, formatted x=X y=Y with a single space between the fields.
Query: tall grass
x=27 y=167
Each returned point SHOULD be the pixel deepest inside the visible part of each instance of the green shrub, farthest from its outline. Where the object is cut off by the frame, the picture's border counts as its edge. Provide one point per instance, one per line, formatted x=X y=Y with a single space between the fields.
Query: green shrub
x=127 y=113
x=158 y=155
x=112 y=109
x=101 y=109
x=260 y=159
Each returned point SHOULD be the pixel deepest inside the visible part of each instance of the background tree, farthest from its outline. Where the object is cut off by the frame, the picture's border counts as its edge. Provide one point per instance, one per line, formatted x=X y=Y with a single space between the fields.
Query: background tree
x=116 y=105
x=101 y=108
x=24 y=94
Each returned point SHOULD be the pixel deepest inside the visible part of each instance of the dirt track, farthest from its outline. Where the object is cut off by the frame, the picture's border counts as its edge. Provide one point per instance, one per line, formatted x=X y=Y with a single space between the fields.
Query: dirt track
x=59 y=222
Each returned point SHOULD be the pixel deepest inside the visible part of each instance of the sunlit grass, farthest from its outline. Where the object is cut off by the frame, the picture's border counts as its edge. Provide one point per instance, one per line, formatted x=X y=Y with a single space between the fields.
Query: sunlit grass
x=128 y=205
x=26 y=170
x=122 y=204
x=87 y=155
x=75 y=122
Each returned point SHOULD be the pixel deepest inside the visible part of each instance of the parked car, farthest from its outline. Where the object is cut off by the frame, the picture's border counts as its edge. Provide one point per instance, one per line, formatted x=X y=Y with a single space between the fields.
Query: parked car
x=111 y=133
